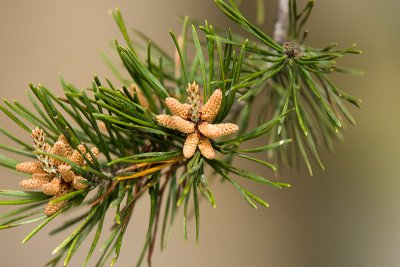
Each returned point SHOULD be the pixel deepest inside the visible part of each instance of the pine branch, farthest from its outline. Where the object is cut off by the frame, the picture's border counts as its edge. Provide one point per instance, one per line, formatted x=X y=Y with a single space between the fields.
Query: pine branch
x=168 y=123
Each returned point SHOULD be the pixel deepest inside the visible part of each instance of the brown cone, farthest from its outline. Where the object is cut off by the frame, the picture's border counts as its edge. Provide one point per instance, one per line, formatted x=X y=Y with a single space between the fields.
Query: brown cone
x=191 y=144
x=95 y=151
x=51 y=209
x=210 y=110
x=29 y=167
x=58 y=149
x=68 y=149
x=176 y=123
x=206 y=148
x=78 y=183
x=76 y=156
x=32 y=183
x=53 y=187
x=210 y=130
x=177 y=108
x=45 y=177
x=66 y=173
x=216 y=130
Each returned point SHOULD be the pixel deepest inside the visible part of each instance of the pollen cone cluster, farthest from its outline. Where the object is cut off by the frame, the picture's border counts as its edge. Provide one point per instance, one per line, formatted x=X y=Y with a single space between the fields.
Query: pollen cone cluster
x=195 y=120
x=53 y=176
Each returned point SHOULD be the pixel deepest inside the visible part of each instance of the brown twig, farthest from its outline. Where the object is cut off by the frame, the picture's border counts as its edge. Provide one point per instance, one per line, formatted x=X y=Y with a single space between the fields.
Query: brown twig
x=151 y=170
x=141 y=165
x=109 y=190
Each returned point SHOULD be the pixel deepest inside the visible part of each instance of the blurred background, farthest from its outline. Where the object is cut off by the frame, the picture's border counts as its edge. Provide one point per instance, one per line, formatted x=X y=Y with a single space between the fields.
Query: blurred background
x=348 y=215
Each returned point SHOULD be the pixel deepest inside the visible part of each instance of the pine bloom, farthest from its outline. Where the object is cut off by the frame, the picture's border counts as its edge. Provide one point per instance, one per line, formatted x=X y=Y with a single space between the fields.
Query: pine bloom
x=29 y=167
x=191 y=142
x=52 y=187
x=79 y=182
x=51 y=209
x=53 y=176
x=206 y=148
x=32 y=183
x=66 y=173
x=210 y=110
x=77 y=157
x=177 y=108
x=196 y=121
x=176 y=123
x=217 y=130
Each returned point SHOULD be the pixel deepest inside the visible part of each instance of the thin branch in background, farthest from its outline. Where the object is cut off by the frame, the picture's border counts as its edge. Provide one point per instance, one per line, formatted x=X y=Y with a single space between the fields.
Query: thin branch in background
x=281 y=21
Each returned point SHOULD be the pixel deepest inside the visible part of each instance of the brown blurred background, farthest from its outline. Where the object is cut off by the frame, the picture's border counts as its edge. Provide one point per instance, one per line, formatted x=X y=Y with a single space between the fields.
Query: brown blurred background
x=348 y=215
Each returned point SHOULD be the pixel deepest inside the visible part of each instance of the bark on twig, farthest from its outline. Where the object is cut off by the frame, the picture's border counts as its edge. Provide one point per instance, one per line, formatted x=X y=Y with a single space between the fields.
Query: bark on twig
x=281 y=21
